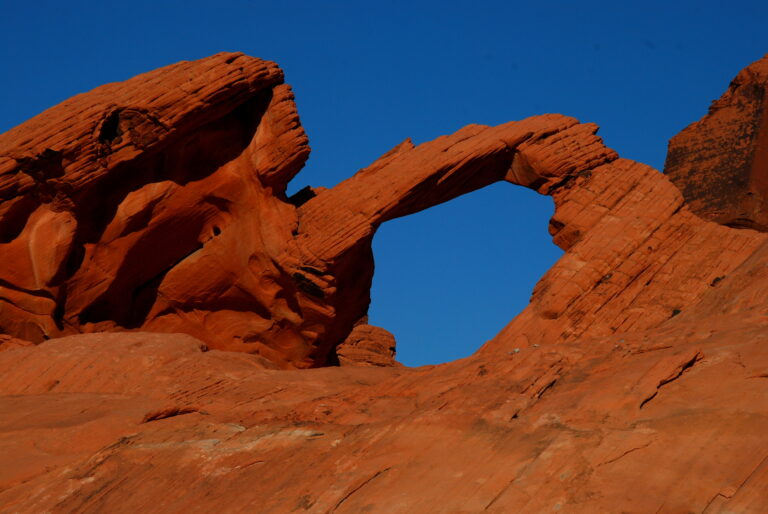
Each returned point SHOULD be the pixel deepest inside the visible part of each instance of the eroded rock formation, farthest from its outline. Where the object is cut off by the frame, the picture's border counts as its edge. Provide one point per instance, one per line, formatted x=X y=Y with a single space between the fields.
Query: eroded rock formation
x=720 y=162
x=162 y=208
x=634 y=381
x=367 y=345
x=133 y=206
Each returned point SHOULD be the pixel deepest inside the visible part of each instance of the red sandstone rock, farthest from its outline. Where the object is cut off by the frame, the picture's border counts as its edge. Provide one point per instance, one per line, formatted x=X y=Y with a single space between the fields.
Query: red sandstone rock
x=131 y=206
x=665 y=420
x=367 y=345
x=635 y=381
x=7 y=342
x=720 y=162
x=140 y=214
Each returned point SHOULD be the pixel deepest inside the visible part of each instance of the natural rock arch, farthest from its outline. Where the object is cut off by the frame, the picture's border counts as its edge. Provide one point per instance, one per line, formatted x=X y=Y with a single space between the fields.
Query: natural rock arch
x=645 y=341
x=162 y=207
x=447 y=278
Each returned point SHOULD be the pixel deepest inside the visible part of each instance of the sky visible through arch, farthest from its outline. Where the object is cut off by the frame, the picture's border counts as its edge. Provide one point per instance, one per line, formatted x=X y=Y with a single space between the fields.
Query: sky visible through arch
x=369 y=74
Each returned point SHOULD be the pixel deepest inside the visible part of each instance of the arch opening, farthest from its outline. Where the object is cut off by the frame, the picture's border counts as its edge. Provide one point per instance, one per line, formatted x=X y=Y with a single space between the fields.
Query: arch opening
x=449 y=278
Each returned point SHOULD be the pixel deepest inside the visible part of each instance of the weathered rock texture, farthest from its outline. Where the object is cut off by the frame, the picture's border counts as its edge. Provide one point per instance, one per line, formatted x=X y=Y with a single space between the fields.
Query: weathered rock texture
x=367 y=345
x=158 y=203
x=720 y=162
x=635 y=381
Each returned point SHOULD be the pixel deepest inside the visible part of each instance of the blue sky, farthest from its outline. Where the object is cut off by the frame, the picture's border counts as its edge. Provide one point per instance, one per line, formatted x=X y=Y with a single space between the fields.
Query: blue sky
x=367 y=75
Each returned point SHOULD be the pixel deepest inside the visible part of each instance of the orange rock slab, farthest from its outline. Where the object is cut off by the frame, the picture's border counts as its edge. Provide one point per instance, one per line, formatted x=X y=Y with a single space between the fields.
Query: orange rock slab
x=666 y=420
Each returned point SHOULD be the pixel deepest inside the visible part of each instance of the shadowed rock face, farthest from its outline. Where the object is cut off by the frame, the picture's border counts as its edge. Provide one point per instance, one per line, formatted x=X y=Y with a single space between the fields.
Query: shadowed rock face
x=720 y=162
x=634 y=381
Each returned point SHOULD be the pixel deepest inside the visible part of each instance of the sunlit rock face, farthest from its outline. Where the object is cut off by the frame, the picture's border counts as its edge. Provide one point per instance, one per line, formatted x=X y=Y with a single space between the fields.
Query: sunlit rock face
x=144 y=228
x=157 y=203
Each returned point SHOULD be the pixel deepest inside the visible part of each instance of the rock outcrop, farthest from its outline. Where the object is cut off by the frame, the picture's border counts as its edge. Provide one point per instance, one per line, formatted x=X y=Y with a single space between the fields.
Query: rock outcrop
x=132 y=206
x=635 y=381
x=367 y=345
x=720 y=162
x=140 y=213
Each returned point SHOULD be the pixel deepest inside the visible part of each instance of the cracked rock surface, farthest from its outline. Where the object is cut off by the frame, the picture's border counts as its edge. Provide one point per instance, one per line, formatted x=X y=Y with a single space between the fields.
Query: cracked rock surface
x=161 y=300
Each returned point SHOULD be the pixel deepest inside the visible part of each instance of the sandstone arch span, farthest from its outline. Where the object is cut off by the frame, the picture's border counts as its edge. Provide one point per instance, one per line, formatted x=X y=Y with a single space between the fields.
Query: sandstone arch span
x=159 y=204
